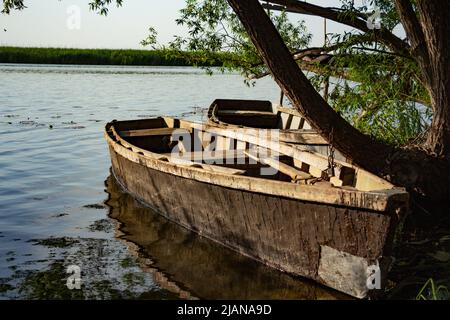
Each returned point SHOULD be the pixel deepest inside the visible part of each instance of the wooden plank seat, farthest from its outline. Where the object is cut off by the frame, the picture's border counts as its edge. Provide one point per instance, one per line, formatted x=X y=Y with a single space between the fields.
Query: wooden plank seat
x=209 y=167
x=295 y=174
x=150 y=132
x=220 y=156
x=252 y=118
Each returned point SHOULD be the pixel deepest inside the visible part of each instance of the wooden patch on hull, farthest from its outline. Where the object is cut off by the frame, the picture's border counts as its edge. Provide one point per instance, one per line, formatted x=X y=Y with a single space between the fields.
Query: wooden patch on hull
x=344 y=271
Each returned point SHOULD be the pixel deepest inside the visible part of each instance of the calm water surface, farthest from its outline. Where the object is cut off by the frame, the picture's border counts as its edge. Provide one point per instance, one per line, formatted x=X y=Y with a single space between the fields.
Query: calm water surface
x=59 y=206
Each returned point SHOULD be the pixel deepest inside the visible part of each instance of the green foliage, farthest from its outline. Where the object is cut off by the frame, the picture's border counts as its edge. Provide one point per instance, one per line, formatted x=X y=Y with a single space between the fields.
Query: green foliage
x=377 y=90
x=9 y=5
x=214 y=28
x=100 y=57
x=151 y=38
x=99 y=6
x=430 y=291
x=379 y=95
x=389 y=13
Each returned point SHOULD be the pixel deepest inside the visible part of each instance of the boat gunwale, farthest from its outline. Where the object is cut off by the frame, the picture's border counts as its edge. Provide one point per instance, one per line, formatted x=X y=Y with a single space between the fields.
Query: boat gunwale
x=377 y=200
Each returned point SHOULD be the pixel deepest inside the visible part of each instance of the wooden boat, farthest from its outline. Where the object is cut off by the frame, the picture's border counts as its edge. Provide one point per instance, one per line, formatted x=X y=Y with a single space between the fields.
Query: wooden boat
x=179 y=261
x=252 y=115
x=301 y=218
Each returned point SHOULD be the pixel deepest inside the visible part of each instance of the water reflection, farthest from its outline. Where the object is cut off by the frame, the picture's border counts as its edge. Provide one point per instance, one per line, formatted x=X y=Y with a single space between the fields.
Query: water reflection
x=194 y=267
x=100 y=70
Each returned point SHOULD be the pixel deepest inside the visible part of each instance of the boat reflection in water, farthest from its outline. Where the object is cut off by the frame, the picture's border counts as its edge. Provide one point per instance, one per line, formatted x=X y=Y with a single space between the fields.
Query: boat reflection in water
x=194 y=267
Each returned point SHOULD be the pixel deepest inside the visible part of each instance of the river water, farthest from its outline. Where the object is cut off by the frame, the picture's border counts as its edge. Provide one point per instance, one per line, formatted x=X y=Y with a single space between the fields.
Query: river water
x=60 y=207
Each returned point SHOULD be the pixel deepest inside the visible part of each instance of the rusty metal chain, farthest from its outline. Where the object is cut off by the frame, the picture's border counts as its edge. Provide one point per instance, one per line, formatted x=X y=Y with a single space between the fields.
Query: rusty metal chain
x=331 y=163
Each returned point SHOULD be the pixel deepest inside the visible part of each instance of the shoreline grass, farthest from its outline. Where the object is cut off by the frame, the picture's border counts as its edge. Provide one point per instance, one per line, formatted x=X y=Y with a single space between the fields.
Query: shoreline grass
x=128 y=57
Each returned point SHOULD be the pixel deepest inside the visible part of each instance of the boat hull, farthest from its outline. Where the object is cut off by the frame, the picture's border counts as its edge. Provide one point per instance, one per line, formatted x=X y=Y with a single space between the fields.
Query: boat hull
x=334 y=245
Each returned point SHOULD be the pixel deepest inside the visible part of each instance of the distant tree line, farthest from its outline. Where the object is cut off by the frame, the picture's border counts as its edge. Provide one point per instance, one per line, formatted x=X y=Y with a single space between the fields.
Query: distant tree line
x=105 y=57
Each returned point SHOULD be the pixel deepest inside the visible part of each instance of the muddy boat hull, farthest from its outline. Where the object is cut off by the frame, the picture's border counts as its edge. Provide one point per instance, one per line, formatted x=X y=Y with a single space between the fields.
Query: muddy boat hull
x=333 y=245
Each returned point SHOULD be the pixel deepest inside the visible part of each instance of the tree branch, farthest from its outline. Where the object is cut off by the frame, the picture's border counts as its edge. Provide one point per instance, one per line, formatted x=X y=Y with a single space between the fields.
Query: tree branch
x=317 y=51
x=385 y=36
x=416 y=37
x=413 y=29
x=313 y=65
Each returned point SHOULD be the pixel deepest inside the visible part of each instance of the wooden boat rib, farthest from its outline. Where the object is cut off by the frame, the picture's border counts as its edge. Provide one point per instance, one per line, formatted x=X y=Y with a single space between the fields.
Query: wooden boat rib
x=299 y=220
x=253 y=115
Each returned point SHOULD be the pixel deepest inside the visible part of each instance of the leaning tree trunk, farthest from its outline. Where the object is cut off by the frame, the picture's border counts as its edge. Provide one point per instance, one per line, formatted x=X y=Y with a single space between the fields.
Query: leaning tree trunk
x=435 y=22
x=300 y=91
x=428 y=35
x=425 y=176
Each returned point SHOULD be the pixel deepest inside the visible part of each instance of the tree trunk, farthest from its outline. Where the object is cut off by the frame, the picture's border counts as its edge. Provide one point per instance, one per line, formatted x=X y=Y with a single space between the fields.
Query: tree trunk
x=428 y=34
x=426 y=177
x=439 y=135
x=351 y=142
x=435 y=23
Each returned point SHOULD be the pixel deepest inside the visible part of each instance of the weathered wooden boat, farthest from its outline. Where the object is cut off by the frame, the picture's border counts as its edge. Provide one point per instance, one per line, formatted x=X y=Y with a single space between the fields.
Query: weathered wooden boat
x=253 y=115
x=333 y=226
x=178 y=261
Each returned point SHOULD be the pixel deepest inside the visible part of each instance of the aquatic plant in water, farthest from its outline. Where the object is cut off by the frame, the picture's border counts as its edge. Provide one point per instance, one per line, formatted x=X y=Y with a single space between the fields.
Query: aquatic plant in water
x=430 y=291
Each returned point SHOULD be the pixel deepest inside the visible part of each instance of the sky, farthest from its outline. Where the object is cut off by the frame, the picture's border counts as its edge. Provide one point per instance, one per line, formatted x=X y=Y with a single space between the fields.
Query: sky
x=70 y=24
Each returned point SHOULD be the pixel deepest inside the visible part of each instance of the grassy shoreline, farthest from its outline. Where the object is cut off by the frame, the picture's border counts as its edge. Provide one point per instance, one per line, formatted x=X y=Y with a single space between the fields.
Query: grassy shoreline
x=128 y=57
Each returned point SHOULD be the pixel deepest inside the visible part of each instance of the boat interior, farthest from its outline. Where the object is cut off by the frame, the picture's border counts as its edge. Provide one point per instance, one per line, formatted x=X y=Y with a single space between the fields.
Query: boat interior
x=256 y=114
x=218 y=150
